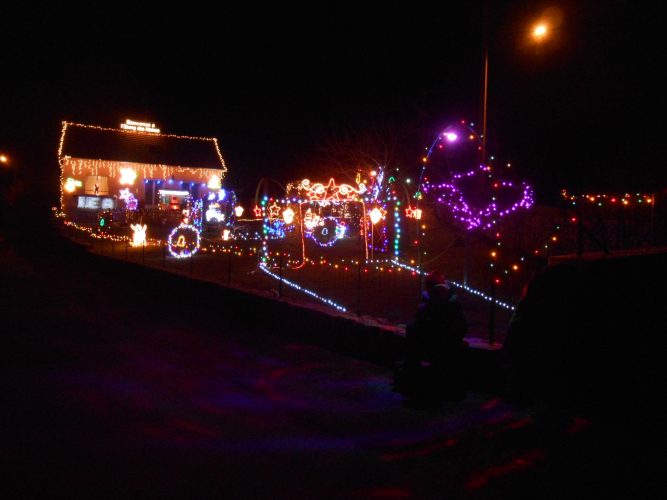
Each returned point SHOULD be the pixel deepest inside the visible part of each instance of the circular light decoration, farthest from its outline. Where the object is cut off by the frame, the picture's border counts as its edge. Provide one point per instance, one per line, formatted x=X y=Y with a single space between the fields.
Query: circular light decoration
x=238 y=210
x=327 y=232
x=183 y=241
x=288 y=215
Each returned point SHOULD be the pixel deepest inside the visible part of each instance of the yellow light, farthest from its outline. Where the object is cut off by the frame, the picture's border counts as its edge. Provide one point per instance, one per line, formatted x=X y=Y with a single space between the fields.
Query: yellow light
x=288 y=216
x=238 y=211
x=72 y=184
x=418 y=213
x=540 y=31
x=515 y=267
x=554 y=238
x=135 y=126
x=214 y=182
x=127 y=176
x=3 y=159
x=493 y=254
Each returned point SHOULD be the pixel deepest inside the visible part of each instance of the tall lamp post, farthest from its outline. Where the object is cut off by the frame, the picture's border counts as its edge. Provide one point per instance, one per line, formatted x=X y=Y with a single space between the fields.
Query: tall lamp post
x=539 y=33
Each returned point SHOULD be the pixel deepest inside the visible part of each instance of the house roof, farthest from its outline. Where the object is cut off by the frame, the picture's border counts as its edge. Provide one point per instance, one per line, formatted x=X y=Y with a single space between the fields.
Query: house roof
x=99 y=143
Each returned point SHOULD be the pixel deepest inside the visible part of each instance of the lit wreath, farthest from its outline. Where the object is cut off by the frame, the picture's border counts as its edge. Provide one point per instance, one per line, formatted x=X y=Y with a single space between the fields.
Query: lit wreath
x=327 y=232
x=182 y=243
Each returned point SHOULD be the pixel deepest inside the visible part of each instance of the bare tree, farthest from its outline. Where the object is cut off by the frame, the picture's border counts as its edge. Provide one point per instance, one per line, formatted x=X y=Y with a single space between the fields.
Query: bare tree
x=345 y=152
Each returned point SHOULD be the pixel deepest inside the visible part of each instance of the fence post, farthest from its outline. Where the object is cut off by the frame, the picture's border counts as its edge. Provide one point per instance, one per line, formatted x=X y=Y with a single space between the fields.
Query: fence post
x=359 y=288
x=280 y=268
x=580 y=232
x=466 y=256
x=492 y=313
x=229 y=267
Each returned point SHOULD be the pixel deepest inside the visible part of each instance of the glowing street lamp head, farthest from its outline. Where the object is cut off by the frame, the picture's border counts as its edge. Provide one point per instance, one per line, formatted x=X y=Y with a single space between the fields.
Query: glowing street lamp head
x=540 y=31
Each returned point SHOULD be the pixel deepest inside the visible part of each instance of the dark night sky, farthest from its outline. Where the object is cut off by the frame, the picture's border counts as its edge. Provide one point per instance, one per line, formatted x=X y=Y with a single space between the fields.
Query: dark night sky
x=271 y=83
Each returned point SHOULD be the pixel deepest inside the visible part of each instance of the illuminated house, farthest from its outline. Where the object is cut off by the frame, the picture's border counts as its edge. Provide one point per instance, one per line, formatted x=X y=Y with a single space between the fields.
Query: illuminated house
x=101 y=168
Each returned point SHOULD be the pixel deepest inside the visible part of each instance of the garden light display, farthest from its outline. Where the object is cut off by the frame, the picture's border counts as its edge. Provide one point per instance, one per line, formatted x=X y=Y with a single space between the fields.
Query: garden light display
x=130 y=200
x=213 y=214
x=624 y=199
x=505 y=196
x=184 y=241
x=413 y=213
x=238 y=210
x=138 y=235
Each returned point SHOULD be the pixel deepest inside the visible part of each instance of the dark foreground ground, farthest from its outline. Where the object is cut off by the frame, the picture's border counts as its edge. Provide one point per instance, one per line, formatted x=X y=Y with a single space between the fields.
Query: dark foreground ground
x=133 y=389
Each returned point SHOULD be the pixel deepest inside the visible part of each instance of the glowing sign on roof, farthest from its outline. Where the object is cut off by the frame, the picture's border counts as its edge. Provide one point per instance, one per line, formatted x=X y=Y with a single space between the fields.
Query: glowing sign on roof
x=139 y=127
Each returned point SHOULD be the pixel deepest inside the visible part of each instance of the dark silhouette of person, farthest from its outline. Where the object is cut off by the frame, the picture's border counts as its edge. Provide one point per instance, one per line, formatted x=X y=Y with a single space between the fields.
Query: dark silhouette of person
x=435 y=344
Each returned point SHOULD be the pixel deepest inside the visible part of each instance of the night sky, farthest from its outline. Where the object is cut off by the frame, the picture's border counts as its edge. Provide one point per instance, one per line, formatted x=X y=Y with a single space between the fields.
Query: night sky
x=274 y=83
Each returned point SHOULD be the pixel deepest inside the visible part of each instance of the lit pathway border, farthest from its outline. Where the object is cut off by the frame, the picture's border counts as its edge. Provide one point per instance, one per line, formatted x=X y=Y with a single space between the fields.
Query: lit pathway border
x=468 y=289
x=305 y=290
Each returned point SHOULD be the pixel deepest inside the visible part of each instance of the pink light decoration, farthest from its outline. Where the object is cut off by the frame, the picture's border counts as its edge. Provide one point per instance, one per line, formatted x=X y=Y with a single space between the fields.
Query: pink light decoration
x=451 y=136
x=451 y=195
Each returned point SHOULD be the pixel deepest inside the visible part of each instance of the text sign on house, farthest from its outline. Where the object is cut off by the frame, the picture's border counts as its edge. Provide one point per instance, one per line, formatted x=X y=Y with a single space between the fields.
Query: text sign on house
x=139 y=126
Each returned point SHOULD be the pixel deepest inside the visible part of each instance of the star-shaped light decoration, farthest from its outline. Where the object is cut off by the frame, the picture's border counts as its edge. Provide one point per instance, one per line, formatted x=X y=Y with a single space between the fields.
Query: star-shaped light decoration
x=413 y=213
x=258 y=211
x=274 y=211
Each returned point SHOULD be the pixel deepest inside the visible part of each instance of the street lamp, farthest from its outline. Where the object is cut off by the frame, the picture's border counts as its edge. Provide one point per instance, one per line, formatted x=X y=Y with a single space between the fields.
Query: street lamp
x=540 y=31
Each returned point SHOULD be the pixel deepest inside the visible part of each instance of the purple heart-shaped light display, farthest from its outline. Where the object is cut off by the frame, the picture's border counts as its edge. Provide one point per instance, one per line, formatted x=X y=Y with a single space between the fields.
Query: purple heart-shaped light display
x=479 y=201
